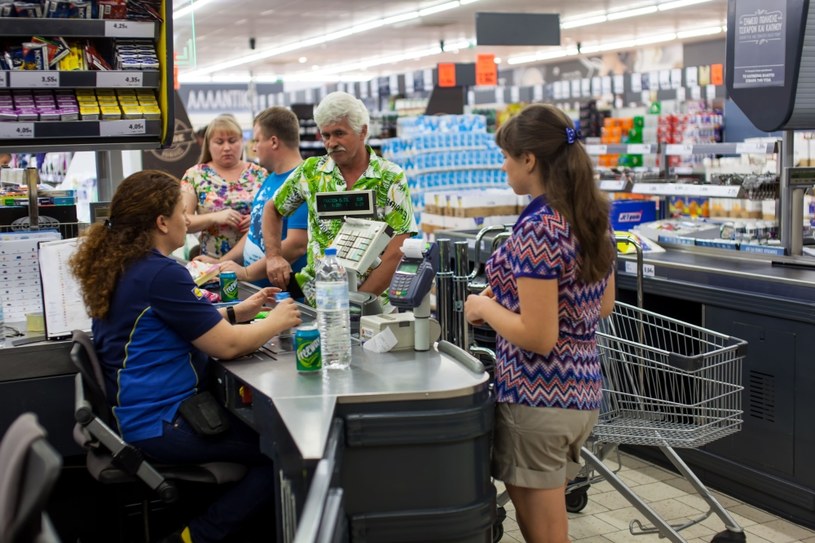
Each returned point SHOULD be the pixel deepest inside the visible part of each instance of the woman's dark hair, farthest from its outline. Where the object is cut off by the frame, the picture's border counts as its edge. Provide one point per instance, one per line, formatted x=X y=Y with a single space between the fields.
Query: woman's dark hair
x=567 y=177
x=106 y=250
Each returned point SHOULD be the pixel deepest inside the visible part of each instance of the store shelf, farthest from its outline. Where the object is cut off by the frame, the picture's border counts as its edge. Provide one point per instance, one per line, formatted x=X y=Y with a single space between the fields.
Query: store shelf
x=78 y=28
x=442 y=169
x=622 y=149
x=742 y=148
x=52 y=79
x=687 y=189
x=23 y=133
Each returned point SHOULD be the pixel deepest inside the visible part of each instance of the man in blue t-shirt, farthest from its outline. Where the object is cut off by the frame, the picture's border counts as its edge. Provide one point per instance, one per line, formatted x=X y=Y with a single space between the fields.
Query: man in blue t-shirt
x=276 y=143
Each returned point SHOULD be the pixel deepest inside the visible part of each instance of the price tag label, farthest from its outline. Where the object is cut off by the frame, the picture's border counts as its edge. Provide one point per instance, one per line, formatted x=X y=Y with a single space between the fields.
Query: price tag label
x=33 y=78
x=12 y=131
x=106 y=79
x=596 y=149
x=679 y=149
x=653 y=188
x=648 y=270
x=3 y=79
x=123 y=128
x=639 y=148
x=751 y=147
x=612 y=185
x=118 y=28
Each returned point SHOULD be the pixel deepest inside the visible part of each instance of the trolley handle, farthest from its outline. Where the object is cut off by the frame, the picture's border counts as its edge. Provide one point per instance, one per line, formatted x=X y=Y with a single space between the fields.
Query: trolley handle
x=631 y=240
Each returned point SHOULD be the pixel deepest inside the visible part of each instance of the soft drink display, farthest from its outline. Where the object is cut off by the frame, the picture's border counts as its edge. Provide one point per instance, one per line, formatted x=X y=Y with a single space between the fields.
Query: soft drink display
x=333 y=313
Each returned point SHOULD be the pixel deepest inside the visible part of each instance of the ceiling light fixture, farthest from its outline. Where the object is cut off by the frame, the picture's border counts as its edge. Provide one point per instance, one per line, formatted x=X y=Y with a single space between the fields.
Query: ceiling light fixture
x=680 y=4
x=617 y=15
x=317 y=40
x=708 y=31
x=597 y=17
x=190 y=7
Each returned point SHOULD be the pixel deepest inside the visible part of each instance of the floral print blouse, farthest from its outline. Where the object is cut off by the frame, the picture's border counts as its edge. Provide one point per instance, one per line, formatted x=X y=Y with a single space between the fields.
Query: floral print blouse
x=214 y=193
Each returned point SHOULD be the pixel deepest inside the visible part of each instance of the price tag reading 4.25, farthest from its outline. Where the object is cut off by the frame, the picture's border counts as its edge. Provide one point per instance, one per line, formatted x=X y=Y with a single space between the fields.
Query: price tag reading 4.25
x=118 y=28
x=114 y=79
x=34 y=78
x=15 y=131
x=122 y=128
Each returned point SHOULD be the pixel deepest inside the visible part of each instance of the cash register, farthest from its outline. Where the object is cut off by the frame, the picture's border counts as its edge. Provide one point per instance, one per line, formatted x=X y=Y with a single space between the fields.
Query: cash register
x=359 y=242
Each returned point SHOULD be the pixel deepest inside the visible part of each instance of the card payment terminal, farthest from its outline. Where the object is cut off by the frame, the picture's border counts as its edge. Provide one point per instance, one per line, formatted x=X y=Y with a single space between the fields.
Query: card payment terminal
x=413 y=278
x=411 y=284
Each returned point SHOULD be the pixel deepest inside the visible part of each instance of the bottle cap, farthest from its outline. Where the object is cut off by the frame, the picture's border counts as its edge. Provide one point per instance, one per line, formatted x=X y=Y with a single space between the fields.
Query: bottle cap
x=280 y=296
x=331 y=251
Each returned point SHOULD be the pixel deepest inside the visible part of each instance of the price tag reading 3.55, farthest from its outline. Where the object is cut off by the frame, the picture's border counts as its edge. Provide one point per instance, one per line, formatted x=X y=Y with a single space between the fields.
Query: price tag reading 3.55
x=122 y=128
x=15 y=131
x=34 y=78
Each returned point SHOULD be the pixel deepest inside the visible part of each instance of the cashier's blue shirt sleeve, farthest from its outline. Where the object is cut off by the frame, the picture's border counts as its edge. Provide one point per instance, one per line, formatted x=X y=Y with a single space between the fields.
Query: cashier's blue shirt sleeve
x=145 y=346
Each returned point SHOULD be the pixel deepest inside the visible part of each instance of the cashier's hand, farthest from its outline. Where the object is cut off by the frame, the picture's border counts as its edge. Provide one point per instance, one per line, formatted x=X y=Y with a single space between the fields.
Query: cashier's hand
x=474 y=306
x=278 y=270
x=247 y=309
x=488 y=293
x=285 y=315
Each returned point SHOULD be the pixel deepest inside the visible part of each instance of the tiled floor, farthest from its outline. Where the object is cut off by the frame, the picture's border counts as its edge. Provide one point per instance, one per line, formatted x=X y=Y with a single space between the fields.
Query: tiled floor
x=608 y=513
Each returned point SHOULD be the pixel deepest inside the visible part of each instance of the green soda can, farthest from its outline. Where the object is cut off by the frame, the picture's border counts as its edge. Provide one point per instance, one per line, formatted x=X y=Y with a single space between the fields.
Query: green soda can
x=229 y=286
x=307 y=348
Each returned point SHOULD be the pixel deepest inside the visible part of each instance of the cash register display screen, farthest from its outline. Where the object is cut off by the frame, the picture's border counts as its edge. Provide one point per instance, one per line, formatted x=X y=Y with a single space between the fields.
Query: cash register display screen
x=343 y=203
x=408 y=267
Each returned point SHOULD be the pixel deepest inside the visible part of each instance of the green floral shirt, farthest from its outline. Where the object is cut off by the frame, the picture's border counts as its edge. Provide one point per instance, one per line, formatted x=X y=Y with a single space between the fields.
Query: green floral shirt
x=321 y=174
x=214 y=193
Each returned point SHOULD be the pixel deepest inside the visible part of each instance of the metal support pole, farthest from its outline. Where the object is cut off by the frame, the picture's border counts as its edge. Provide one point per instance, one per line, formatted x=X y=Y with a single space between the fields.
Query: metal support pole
x=460 y=279
x=444 y=290
x=109 y=173
x=787 y=158
x=32 y=180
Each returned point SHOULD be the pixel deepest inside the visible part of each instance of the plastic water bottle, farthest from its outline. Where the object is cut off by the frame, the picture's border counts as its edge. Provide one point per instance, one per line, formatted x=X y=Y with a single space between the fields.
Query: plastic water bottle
x=285 y=339
x=333 y=313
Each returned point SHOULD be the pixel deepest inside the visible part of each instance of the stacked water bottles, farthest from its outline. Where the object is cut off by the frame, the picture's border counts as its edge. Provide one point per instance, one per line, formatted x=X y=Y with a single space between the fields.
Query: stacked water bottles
x=333 y=312
x=445 y=152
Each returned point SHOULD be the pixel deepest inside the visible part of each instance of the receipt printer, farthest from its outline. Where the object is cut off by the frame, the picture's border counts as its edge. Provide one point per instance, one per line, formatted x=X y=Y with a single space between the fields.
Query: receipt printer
x=401 y=324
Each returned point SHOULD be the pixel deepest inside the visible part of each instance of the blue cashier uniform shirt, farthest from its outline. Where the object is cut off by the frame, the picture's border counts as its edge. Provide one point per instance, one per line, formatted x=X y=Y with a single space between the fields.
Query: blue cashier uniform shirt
x=145 y=344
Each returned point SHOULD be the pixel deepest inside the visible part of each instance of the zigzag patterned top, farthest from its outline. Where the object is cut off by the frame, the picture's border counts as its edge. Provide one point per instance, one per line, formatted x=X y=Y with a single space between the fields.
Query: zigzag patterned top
x=543 y=246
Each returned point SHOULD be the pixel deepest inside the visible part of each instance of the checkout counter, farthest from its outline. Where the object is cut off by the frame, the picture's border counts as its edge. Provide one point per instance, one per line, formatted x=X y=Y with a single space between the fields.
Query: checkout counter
x=769 y=302
x=396 y=447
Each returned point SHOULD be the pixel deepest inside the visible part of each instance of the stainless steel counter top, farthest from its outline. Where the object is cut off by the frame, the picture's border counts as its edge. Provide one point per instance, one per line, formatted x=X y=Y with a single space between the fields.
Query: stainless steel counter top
x=306 y=402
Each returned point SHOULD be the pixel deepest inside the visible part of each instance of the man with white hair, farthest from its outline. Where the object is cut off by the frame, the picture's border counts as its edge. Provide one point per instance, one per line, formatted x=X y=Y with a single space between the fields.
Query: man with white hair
x=348 y=165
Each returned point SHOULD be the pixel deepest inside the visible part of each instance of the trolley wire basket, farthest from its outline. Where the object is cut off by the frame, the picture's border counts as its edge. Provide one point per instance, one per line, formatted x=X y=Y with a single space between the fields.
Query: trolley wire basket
x=667 y=382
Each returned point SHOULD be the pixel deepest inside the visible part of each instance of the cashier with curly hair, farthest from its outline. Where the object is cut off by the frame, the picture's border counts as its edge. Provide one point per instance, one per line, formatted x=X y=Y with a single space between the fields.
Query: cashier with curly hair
x=154 y=333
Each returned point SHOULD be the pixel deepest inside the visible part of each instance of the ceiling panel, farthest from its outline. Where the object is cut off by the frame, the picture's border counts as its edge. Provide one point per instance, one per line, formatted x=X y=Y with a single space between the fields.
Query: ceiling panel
x=221 y=30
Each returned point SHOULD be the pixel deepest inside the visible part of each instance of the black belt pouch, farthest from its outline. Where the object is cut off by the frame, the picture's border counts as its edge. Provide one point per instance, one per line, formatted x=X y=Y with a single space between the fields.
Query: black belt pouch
x=204 y=414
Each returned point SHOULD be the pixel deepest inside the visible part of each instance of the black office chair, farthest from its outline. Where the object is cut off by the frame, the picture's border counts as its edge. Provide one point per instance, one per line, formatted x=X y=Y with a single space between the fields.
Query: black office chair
x=29 y=468
x=109 y=459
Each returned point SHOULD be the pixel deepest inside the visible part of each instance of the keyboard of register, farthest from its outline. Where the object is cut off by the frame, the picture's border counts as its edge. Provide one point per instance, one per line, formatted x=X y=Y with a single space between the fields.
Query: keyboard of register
x=351 y=245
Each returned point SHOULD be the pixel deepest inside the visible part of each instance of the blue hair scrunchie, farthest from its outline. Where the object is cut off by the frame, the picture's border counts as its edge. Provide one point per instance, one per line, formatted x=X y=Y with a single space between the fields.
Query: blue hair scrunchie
x=572 y=135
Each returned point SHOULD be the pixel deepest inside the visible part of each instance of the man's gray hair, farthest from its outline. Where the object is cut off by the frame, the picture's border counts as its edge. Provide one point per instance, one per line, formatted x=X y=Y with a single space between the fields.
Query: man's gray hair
x=339 y=106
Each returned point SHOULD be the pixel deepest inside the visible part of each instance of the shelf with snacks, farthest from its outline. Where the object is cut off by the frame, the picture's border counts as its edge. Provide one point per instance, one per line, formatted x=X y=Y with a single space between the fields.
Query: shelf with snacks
x=79 y=83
